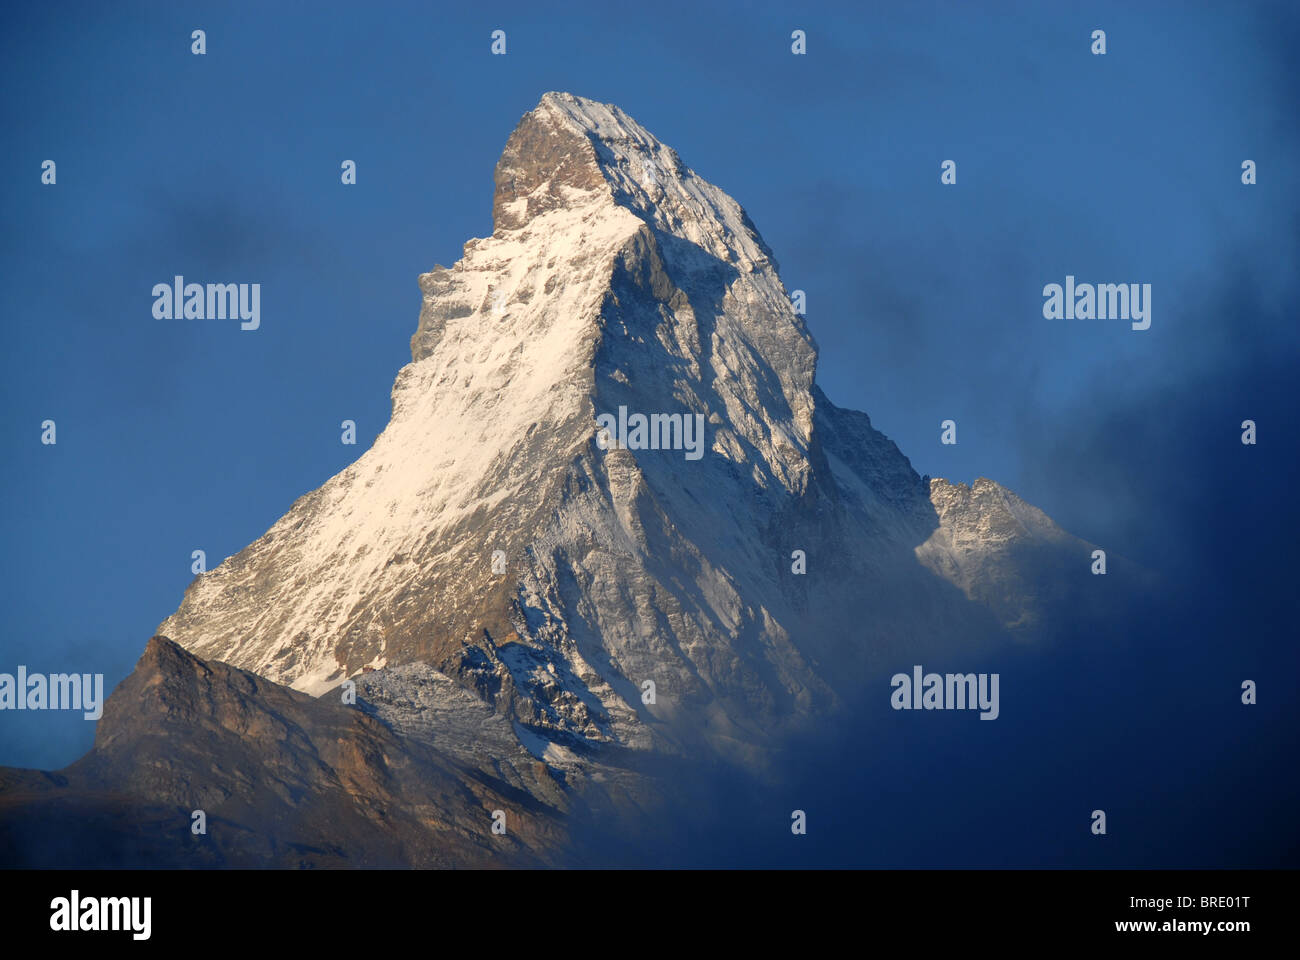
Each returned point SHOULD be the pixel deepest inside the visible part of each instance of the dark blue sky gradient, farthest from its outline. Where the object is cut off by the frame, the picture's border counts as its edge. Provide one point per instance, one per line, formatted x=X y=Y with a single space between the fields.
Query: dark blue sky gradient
x=925 y=299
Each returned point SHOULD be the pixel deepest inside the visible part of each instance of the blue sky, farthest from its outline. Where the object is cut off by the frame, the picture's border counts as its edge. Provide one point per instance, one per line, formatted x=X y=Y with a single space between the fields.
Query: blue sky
x=925 y=299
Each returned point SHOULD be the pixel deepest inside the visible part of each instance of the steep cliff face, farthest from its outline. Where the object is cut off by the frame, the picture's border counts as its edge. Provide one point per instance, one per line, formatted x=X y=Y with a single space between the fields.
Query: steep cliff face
x=494 y=536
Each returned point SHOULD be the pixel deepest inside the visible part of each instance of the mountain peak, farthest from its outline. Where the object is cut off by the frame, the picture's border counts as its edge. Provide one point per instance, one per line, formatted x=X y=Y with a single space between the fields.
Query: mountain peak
x=548 y=162
x=489 y=536
x=571 y=151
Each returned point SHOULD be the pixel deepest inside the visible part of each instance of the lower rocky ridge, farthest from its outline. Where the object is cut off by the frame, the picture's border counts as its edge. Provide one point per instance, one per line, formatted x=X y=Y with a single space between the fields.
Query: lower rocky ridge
x=286 y=780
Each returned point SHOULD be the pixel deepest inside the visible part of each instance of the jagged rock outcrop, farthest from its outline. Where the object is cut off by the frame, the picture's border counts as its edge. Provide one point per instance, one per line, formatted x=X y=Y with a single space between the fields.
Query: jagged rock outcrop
x=284 y=780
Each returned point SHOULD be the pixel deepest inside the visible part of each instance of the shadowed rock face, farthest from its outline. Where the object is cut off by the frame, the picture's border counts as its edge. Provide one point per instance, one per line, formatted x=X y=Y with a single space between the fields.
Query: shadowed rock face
x=543 y=163
x=285 y=781
x=502 y=588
